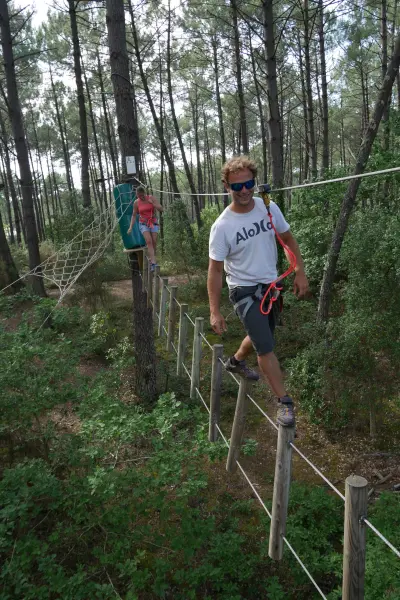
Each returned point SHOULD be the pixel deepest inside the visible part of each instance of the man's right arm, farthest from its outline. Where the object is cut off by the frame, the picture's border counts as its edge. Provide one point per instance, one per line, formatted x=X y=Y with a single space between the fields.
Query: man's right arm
x=214 y=287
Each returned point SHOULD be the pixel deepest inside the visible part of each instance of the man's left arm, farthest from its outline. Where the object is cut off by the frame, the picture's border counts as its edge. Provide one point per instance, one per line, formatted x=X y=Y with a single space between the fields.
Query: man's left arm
x=300 y=286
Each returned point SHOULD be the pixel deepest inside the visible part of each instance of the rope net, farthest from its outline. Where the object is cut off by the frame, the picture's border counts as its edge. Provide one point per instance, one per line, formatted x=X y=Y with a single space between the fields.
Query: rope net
x=67 y=264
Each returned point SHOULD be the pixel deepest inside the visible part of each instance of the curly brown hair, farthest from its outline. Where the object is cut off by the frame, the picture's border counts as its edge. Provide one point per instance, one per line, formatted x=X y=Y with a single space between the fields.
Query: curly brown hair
x=237 y=163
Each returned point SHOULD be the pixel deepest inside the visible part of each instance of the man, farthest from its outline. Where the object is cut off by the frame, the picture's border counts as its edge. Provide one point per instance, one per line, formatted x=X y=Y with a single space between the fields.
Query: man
x=243 y=241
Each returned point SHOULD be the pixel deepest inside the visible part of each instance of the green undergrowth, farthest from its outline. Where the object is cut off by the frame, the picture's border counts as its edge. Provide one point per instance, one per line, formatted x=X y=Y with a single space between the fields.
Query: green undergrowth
x=100 y=498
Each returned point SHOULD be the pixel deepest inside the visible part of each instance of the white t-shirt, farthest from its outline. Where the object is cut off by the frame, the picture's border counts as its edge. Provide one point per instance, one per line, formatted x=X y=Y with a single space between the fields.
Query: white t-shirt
x=247 y=245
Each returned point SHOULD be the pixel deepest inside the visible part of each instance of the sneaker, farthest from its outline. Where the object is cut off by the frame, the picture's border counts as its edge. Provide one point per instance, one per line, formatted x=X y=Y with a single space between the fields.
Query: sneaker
x=285 y=412
x=241 y=369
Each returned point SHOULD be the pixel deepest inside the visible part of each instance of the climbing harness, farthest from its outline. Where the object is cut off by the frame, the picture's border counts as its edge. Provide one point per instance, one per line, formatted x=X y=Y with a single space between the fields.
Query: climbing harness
x=274 y=290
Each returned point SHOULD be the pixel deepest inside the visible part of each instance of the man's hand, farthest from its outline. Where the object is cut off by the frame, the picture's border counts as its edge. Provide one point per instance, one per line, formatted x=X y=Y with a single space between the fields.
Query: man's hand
x=218 y=323
x=130 y=229
x=300 y=286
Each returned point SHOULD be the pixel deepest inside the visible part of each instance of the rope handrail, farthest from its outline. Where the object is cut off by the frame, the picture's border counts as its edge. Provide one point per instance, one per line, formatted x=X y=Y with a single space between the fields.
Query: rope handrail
x=295 y=187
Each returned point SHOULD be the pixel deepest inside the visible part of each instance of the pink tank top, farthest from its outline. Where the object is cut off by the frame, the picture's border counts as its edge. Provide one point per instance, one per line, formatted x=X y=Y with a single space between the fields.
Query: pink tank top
x=146 y=212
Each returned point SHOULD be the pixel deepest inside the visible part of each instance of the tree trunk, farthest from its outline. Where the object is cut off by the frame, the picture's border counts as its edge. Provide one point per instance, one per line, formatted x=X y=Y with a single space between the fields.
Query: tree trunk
x=274 y=121
x=36 y=198
x=350 y=196
x=310 y=106
x=196 y=119
x=106 y=119
x=161 y=135
x=325 y=108
x=11 y=186
x=260 y=111
x=8 y=273
x=42 y=174
x=72 y=200
x=189 y=177
x=242 y=106
x=145 y=356
x=103 y=195
x=84 y=142
x=305 y=116
x=8 y=201
x=67 y=161
x=53 y=203
x=15 y=114
x=218 y=98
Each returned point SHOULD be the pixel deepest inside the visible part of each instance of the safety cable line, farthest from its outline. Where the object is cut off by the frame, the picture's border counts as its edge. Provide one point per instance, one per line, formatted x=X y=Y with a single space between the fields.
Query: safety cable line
x=187 y=371
x=294 y=187
x=206 y=340
x=338 y=179
x=304 y=568
x=261 y=501
x=190 y=320
x=382 y=537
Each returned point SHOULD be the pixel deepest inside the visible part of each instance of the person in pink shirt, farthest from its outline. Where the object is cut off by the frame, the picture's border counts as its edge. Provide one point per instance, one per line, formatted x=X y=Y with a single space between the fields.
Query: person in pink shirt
x=145 y=206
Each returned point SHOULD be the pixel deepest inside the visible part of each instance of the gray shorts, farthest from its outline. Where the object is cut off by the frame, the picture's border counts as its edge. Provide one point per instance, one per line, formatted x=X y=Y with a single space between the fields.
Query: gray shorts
x=260 y=328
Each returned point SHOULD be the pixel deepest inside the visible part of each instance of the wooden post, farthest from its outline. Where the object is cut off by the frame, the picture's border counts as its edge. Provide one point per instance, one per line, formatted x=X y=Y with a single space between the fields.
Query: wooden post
x=196 y=357
x=239 y=421
x=354 y=538
x=163 y=306
x=156 y=292
x=145 y=271
x=183 y=325
x=171 y=317
x=280 y=500
x=215 y=395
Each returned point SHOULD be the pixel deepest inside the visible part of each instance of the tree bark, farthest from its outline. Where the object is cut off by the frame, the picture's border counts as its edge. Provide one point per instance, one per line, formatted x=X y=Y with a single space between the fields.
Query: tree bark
x=264 y=142
x=84 y=141
x=196 y=120
x=218 y=98
x=39 y=155
x=15 y=114
x=161 y=135
x=274 y=121
x=10 y=180
x=67 y=161
x=106 y=119
x=242 y=106
x=324 y=85
x=189 y=177
x=144 y=350
x=103 y=195
x=8 y=200
x=350 y=196
x=310 y=106
x=9 y=270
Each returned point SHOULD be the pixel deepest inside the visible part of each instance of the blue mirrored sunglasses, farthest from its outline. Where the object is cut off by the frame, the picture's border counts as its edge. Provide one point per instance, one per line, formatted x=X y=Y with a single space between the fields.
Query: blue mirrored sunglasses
x=237 y=187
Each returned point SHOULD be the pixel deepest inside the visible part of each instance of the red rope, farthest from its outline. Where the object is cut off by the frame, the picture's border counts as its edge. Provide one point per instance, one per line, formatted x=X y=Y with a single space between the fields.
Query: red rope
x=273 y=287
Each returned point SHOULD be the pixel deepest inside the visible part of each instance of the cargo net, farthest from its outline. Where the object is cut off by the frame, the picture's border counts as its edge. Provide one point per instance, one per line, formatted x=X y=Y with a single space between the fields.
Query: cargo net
x=65 y=267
